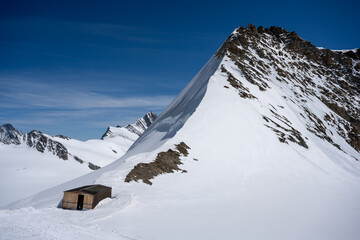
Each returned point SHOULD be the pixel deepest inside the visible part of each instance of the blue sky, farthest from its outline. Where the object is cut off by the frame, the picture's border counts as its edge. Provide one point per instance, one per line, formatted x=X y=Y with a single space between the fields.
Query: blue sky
x=75 y=67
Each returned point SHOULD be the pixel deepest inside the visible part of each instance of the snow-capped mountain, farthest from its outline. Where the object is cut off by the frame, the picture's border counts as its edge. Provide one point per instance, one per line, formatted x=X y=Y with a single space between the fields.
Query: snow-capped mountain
x=263 y=143
x=42 y=142
x=10 y=135
x=116 y=140
x=51 y=145
x=127 y=135
x=35 y=161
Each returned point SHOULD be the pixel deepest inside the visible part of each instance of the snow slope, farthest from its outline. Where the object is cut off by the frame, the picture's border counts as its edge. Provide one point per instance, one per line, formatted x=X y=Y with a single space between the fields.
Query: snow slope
x=259 y=167
x=95 y=151
x=25 y=170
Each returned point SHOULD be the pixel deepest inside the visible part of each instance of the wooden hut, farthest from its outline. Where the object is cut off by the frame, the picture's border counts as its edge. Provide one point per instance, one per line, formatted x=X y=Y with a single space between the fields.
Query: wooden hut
x=85 y=197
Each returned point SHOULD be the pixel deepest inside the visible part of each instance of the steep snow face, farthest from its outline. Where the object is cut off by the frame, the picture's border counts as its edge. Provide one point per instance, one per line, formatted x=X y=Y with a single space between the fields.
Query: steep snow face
x=176 y=114
x=264 y=162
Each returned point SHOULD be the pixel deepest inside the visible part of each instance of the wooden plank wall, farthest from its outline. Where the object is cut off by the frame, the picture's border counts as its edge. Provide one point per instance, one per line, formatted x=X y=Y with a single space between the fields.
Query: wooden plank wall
x=70 y=200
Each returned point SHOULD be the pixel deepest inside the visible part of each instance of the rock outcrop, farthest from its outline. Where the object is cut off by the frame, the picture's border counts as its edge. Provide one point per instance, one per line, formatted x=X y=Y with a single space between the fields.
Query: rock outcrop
x=10 y=135
x=41 y=142
x=333 y=77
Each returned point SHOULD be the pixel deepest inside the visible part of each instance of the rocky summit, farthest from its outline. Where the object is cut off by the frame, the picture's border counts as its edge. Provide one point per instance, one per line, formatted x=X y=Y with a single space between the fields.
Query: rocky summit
x=10 y=135
x=276 y=55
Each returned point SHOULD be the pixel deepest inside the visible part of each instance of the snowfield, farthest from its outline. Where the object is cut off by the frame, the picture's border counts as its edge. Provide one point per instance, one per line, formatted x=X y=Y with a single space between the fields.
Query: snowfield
x=241 y=181
x=25 y=171
x=96 y=151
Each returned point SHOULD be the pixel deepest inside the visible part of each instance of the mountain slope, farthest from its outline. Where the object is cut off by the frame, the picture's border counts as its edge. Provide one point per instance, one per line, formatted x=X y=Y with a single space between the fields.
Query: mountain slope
x=271 y=156
x=35 y=161
x=25 y=171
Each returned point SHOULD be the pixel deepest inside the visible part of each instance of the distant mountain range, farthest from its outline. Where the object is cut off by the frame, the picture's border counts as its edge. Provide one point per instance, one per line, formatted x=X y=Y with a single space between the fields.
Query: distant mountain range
x=59 y=145
x=34 y=161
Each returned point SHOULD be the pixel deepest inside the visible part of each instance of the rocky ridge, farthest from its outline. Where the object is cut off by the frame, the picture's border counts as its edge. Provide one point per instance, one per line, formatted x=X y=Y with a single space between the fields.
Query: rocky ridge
x=46 y=143
x=41 y=142
x=137 y=128
x=10 y=135
x=263 y=55
x=35 y=139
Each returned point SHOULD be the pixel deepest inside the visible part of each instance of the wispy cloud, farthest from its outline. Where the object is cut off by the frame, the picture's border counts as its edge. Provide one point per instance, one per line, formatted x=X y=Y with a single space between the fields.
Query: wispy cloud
x=18 y=94
x=73 y=110
x=115 y=31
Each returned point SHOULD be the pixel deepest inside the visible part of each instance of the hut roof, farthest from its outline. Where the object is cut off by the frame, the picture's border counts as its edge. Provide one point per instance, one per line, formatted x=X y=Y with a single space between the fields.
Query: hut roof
x=90 y=189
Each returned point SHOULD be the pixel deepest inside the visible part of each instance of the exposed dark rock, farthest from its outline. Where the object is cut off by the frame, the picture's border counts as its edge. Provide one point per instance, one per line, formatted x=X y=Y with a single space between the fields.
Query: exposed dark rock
x=252 y=28
x=40 y=142
x=182 y=148
x=93 y=166
x=165 y=162
x=299 y=62
x=317 y=127
x=354 y=55
x=107 y=133
x=353 y=128
x=78 y=159
x=10 y=135
x=286 y=133
x=243 y=91
x=63 y=137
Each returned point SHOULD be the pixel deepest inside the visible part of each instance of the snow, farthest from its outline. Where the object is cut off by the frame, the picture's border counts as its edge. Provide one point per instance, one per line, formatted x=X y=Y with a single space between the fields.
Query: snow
x=346 y=50
x=96 y=151
x=122 y=137
x=245 y=184
x=25 y=171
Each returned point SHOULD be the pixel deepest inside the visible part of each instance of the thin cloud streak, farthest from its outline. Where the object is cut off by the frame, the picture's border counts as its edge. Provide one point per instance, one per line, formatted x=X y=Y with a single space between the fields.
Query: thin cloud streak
x=78 y=112
x=115 y=31
x=41 y=95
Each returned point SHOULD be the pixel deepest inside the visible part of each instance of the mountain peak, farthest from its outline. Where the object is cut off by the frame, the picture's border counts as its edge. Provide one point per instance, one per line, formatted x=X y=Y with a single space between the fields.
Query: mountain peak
x=142 y=124
x=256 y=37
x=136 y=128
x=9 y=134
x=263 y=55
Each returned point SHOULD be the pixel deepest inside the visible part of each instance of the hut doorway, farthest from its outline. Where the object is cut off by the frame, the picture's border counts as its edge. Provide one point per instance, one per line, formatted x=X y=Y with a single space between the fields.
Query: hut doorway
x=80 y=202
